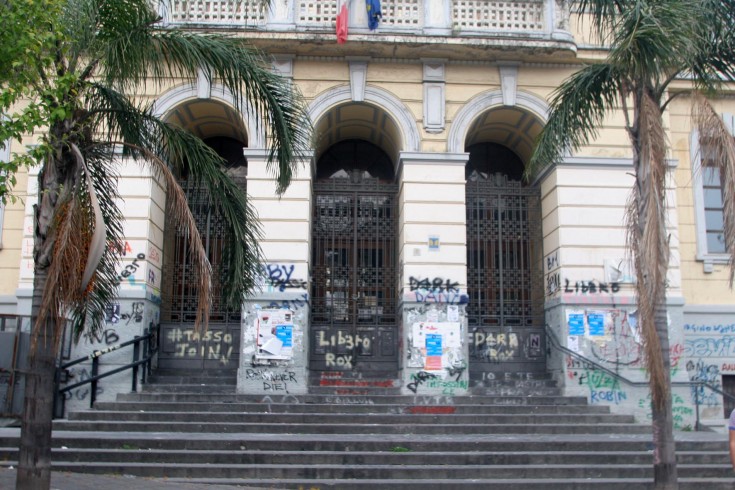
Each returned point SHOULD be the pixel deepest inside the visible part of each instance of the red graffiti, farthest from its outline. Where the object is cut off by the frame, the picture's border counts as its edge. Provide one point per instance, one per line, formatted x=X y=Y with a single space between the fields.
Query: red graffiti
x=428 y=410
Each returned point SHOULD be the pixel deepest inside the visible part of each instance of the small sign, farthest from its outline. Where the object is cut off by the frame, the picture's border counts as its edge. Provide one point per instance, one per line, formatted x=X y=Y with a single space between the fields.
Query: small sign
x=433 y=344
x=284 y=333
x=596 y=322
x=434 y=243
x=575 y=320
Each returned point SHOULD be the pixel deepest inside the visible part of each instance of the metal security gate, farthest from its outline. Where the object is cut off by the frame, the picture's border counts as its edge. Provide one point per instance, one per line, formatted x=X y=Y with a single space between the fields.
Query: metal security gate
x=353 y=297
x=181 y=346
x=505 y=310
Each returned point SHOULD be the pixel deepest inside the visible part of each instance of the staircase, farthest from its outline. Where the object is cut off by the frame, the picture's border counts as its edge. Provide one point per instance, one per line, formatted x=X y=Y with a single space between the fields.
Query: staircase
x=194 y=429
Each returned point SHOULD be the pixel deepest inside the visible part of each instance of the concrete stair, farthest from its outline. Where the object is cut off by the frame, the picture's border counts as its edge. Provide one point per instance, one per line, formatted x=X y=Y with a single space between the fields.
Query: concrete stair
x=195 y=429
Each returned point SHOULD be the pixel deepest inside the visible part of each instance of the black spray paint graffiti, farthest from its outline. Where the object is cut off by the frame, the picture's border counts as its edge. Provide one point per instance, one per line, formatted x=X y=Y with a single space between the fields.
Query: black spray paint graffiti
x=75 y=375
x=436 y=290
x=590 y=287
x=436 y=285
x=291 y=304
x=418 y=379
x=113 y=314
x=272 y=381
x=279 y=276
x=108 y=337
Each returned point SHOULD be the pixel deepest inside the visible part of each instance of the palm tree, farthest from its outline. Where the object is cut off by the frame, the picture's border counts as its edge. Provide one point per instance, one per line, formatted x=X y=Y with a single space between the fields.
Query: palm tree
x=85 y=82
x=652 y=43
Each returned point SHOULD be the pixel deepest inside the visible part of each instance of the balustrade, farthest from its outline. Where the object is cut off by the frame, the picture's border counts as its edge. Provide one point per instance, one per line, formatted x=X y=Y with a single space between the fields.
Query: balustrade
x=435 y=17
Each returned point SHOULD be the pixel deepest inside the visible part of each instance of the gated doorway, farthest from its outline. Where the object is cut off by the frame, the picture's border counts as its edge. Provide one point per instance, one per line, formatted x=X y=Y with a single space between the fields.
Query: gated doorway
x=353 y=327
x=505 y=311
x=181 y=346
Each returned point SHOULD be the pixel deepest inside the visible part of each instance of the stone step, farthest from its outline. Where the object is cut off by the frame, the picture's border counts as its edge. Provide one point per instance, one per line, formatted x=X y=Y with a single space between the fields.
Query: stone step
x=446 y=484
x=203 y=406
x=397 y=456
x=159 y=379
x=603 y=443
x=349 y=418
x=279 y=472
x=355 y=428
x=183 y=396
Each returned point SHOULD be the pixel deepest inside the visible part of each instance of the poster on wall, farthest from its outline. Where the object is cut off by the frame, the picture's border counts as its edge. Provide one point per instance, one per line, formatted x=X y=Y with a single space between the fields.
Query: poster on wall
x=438 y=342
x=596 y=322
x=575 y=320
x=274 y=330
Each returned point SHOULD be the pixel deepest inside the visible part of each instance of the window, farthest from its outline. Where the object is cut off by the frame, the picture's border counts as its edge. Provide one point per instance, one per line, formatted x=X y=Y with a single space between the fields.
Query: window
x=708 y=203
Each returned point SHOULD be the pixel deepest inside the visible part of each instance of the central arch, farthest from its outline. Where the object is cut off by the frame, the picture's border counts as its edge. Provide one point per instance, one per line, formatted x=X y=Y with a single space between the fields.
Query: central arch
x=354 y=269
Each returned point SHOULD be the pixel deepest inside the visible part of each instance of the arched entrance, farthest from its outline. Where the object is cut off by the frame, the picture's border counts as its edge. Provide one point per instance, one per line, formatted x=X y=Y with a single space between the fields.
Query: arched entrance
x=181 y=347
x=504 y=249
x=354 y=321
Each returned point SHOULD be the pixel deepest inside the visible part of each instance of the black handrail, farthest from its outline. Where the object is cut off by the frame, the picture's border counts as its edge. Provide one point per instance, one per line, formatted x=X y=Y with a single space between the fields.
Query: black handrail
x=555 y=342
x=150 y=348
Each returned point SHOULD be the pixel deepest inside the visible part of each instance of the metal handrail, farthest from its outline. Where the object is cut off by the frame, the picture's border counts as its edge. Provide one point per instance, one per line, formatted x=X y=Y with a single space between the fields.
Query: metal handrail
x=555 y=342
x=150 y=348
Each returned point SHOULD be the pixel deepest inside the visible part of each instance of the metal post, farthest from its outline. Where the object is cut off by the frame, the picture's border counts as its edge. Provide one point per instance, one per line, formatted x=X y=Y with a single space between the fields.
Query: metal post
x=136 y=356
x=146 y=353
x=696 y=404
x=93 y=388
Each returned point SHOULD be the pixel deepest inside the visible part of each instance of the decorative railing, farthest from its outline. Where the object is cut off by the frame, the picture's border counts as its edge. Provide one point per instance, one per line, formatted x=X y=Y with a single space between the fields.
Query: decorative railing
x=437 y=17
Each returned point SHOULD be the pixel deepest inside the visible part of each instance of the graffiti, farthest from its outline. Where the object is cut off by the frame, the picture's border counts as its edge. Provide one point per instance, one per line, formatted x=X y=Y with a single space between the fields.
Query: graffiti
x=701 y=372
x=342 y=400
x=279 y=276
x=552 y=261
x=129 y=270
x=418 y=379
x=719 y=328
x=281 y=400
x=338 y=360
x=436 y=285
x=553 y=283
x=272 y=381
x=349 y=341
x=727 y=367
x=75 y=375
x=135 y=313
x=154 y=255
x=603 y=387
x=430 y=410
x=495 y=347
x=290 y=304
x=450 y=298
x=212 y=345
x=108 y=336
x=710 y=347
x=681 y=410
x=625 y=347
x=591 y=287
x=336 y=380
x=456 y=372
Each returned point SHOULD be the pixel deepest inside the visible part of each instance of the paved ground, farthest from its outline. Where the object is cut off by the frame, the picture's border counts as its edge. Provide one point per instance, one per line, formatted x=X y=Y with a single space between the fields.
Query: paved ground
x=78 y=481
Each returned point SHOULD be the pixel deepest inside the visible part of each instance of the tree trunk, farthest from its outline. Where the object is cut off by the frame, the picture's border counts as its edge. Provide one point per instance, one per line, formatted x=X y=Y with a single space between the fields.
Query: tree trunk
x=34 y=459
x=665 y=473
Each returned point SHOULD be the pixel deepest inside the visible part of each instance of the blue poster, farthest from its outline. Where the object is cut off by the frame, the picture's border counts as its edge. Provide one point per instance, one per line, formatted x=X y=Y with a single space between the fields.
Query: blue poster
x=284 y=333
x=576 y=323
x=596 y=322
x=433 y=344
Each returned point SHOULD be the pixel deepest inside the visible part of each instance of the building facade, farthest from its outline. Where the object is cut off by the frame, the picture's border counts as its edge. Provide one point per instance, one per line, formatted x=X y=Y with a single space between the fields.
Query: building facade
x=409 y=253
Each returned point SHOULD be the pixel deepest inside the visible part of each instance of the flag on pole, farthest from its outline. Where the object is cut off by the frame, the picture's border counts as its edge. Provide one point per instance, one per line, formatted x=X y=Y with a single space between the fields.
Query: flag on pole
x=374 y=13
x=342 y=24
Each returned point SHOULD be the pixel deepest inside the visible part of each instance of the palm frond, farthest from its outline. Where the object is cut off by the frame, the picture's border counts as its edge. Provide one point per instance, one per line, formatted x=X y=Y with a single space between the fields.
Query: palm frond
x=88 y=312
x=648 y=240
x=144 y=52
x=148 y=138
x=653 y=37
x=604 y=14
x=719 y=142
x=577 y=110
